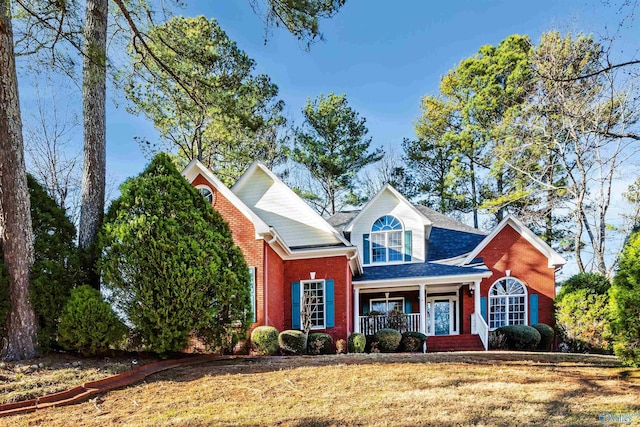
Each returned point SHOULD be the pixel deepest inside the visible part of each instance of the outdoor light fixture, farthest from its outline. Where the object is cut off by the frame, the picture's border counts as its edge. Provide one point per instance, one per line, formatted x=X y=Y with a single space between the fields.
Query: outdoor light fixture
x=471 y=290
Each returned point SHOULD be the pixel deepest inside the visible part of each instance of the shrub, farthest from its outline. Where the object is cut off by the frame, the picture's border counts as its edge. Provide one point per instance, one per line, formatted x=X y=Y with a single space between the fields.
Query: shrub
x=497 y=341
x=292 y=342
x=319 y=343
x=55 y=269
x=595 y=283
x=88 y=323
x=412 y=341
x=264 y=340
x=546 y=336
x=371 y=345
x=397 y=320
x=341 y=346
x=356 y=342
x=625 y=304
x=171 y=265
x=520 y=337
x=388 y=340
x=582 y=319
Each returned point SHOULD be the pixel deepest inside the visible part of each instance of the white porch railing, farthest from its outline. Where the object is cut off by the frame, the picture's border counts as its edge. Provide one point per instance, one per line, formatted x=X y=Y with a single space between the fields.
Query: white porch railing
x=480 y=327
x=369 y=325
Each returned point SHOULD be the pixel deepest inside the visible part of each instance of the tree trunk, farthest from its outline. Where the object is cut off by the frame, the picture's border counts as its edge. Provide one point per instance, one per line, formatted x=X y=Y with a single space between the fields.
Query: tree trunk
x=16 y=232
x=94 y=78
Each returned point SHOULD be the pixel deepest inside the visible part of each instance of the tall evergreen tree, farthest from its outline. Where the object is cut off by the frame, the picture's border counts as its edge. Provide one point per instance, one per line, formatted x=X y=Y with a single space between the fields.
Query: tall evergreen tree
x=16 y=234
x=171 y=264
x=333 y=146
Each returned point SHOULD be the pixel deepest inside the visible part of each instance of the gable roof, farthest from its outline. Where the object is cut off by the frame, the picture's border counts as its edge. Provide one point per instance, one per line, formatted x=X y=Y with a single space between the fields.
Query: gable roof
x=195 y=168
x=443 y=221
x=555 y=260
x=281 y=208
x=397 y=195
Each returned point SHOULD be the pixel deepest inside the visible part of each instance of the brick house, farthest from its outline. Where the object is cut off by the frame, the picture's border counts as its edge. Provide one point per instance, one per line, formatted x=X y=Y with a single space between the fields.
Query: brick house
x=438 y=276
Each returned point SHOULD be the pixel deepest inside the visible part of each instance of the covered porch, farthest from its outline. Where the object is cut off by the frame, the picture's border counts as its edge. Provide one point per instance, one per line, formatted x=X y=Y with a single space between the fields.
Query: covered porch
x=437 y=307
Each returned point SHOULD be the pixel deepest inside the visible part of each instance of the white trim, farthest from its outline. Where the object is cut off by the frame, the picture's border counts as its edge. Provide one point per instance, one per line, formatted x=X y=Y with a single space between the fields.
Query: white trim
x=324 y=301
x=526 y=302
x=555 y=260
x=371 y=202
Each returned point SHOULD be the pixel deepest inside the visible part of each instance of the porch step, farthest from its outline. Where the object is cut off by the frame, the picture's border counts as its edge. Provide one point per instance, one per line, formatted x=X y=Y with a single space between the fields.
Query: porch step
x=466 y=342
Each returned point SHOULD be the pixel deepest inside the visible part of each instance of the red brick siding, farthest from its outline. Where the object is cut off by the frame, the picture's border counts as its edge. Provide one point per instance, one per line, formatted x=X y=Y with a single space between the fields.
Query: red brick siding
x=510 y=251
x=244 y=236
x=467 y=309
x=275 y=289
x=336 y=268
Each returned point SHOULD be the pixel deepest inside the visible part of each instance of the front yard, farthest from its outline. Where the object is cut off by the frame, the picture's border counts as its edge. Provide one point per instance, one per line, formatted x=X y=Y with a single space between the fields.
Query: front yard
x=495 y=388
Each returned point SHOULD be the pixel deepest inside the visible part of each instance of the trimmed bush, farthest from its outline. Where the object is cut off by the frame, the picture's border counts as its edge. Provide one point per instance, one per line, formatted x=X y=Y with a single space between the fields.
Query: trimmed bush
x=88 y=324
x=388 y=340
x=412 y=341
x=356 y=342
x=546 y=336
x=341 y=346
x=264 y=340
x=292 y=342
x=520 y=337
x=319 y=343
x=171 y=265
x=497 y=341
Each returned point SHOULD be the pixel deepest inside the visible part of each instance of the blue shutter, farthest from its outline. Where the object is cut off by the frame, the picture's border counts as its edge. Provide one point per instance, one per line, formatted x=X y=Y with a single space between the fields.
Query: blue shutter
x=483 y=308
x=407 y=306
x=295 y=305
x=328 y=289
x=366 y=249
x=407 y=245
x=252 y=275
x=533 y=309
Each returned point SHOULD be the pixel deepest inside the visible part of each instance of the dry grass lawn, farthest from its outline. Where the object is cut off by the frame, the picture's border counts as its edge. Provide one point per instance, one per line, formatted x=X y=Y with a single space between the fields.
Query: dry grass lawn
x=385 y=390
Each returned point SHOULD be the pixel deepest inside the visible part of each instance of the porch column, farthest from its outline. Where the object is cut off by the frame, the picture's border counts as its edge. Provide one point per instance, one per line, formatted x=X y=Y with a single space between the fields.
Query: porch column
x=423 y=310
x=356 y=310
x=476 y=297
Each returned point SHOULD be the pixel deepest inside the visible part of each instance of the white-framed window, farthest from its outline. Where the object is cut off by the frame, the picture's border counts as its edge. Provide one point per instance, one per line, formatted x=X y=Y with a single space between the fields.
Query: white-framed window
x=382 y=305
x=315 y=293
x=507 y=303
x=387 y=240
x=206 y=193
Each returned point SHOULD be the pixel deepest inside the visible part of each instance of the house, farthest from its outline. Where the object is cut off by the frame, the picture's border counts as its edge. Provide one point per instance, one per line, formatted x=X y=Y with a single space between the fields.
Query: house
x=432 y=273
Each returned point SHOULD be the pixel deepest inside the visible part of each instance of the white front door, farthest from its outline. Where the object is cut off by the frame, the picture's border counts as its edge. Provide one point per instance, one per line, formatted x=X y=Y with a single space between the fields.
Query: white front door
x=442 y=316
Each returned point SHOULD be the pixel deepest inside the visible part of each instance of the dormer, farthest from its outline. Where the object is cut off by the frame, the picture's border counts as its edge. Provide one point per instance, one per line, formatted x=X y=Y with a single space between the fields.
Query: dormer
x=389 y=230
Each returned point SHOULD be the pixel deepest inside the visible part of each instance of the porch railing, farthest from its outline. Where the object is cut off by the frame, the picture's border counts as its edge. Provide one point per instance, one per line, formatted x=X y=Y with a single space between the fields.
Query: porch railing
x=480 y=327
x=409 y=322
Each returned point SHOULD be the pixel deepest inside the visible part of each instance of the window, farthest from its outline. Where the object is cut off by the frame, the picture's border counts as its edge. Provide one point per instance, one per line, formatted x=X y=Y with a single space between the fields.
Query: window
x=206 y=193
x=387 y=305
x=386 y=240
x=314 y=291
x=507 y=303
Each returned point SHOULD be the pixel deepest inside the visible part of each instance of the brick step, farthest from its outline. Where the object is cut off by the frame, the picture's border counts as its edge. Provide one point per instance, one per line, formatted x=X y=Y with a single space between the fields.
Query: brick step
x=466 y=342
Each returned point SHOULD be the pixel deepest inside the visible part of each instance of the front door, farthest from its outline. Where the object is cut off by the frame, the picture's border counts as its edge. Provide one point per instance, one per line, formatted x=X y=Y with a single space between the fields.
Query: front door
x=441 y=316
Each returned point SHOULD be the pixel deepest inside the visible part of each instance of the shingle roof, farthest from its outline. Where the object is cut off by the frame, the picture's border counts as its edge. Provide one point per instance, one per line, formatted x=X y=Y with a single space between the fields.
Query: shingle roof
x=403 y=271
x=340 y=220
x=442 y=221
x=445 y=243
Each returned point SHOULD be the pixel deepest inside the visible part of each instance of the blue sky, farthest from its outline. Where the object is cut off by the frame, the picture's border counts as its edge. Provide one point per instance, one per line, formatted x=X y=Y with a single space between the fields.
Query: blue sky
x=383 y=58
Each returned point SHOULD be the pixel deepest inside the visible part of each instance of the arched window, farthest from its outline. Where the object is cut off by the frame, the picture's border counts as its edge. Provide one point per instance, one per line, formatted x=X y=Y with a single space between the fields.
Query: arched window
x=386 y=240
x=507 y=303
x=206 y=193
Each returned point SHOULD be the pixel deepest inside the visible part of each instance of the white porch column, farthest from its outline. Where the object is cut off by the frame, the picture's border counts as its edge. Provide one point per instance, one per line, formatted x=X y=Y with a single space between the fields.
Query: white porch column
x=423 y=310
x=356 y=310
x=476 y=297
